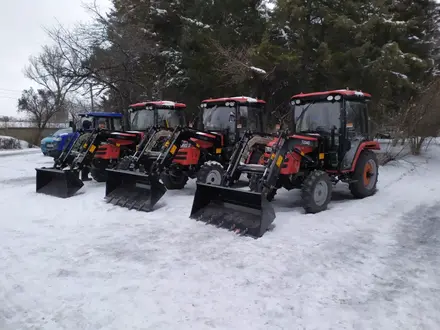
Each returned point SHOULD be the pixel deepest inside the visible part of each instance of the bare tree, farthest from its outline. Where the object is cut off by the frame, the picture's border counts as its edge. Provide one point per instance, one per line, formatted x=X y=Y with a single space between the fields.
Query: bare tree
x=75 y=106
x=40 y=106
x=421 y=119
x=48 y=70
x=106 y=56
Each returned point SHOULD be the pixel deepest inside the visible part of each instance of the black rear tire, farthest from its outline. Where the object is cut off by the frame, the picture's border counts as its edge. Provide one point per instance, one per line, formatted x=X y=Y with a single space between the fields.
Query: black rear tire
x=99 y=175
x=365 y=175
x=174 y=180
x=316 y=192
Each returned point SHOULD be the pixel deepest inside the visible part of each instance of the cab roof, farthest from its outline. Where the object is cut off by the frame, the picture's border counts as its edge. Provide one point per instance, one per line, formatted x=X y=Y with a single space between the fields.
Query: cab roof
x=345 y=93
x=101 y=114
x=158 y=104
x=240 y=99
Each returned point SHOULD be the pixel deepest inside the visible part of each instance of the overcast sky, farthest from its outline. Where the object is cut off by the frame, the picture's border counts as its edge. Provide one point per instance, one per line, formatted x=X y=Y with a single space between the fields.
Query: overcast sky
x=22 y=34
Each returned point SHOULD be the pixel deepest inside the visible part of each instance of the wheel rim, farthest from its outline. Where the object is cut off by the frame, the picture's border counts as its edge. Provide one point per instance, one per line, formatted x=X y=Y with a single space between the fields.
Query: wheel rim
x=214 y=177
x=321 y=193
x=370 y=174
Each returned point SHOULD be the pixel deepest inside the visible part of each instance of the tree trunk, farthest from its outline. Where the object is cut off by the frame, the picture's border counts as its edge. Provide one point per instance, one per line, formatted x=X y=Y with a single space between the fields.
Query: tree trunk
x=37 y=138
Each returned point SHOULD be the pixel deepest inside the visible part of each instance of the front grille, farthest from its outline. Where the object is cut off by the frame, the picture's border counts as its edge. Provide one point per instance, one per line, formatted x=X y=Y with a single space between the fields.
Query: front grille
x=51 y=145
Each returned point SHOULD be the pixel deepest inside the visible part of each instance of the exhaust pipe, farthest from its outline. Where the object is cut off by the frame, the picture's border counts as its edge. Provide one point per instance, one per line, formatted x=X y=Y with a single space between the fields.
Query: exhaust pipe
x=246 y=212
x=133 y=190
x=58 y=183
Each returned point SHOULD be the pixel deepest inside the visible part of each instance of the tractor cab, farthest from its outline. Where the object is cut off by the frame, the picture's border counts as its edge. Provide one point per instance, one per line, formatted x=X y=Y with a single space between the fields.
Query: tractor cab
x=339 y=117
x=232 y=116
x=104 y=120
x=166 y=114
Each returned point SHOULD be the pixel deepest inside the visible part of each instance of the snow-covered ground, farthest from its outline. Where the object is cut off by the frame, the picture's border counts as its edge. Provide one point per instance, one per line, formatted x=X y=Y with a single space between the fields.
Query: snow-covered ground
x=80 y=263
x=10 y=145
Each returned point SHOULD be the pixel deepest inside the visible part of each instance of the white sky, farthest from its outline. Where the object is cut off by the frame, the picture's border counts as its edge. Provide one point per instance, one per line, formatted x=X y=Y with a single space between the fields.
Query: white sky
x=22 y=35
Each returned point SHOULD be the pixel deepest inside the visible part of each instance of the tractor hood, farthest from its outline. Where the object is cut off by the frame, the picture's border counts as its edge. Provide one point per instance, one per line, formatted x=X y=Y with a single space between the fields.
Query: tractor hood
x=306 y=140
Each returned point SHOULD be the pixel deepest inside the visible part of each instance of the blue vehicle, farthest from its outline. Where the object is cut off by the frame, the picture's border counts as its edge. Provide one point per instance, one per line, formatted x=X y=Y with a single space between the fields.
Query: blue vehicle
x=53 y=145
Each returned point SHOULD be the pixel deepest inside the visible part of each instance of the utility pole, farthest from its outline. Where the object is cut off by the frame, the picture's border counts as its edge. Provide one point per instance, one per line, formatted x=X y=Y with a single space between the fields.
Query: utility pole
x=91 y=96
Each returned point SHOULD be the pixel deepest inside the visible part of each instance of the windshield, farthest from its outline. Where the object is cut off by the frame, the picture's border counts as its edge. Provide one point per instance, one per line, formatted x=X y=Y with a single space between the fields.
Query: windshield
x=169 y=118
x=318 y=116
x=250 y=118
x=117 y=122
x=141 y=119
x=220 y=118
x=62 y=131
x=102 y=122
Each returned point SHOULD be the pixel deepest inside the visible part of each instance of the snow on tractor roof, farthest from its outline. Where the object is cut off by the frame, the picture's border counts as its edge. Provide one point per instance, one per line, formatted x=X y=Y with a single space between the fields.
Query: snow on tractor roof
x=343 y=92
x=158 y=104
x=240 y=99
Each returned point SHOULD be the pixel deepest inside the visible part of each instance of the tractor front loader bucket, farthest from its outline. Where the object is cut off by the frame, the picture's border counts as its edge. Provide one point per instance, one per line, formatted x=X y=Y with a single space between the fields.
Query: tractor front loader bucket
x=58 y=183
x=133 y=190
x=245 y=212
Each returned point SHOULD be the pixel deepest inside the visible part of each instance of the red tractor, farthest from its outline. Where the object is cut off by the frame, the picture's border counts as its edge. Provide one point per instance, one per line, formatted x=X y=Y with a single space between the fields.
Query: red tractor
x=203 y=153
x=330 y=143
x=142 y=116
x=187 y=153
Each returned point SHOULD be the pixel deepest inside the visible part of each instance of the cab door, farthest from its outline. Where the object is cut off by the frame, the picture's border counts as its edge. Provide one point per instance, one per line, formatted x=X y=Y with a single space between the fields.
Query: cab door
x=356 y=130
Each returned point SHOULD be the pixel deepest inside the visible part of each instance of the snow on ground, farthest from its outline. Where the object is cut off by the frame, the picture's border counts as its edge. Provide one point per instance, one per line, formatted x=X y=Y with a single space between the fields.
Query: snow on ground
x=4 y=153
x=80 y=263
x=8 y=142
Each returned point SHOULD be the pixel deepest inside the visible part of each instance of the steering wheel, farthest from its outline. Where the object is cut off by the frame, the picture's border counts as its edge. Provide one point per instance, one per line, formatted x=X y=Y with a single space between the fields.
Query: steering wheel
x=322 y=130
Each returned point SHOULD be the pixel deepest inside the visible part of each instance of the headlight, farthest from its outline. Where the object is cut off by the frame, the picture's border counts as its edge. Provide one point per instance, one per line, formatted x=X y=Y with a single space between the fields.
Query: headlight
x=268 y=149
x=57 y=139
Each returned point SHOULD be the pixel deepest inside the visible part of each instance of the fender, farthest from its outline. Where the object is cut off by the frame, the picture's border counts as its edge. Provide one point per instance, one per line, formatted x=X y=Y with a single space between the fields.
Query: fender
x=366 y=145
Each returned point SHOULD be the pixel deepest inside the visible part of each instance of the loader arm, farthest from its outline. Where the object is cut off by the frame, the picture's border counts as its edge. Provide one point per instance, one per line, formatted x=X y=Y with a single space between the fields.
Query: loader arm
x=234 y=163
x=144 y=150
x=63 y=159
x=180 y=135
x=245 y=212
x=272 y=169
x=89 y=148
x=145 y=143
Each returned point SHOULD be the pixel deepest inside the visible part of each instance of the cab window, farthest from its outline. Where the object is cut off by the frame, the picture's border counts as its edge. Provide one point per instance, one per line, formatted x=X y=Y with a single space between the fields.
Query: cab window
x=356 y=117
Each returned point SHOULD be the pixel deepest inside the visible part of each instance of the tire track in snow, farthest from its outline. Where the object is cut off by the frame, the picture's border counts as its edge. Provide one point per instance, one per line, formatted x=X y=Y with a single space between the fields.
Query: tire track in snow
x=410 y=277
x=382 y=283
x=16 y=181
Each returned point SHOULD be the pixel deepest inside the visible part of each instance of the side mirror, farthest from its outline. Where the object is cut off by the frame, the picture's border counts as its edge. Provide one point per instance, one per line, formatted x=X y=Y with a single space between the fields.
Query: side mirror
x=72 y=125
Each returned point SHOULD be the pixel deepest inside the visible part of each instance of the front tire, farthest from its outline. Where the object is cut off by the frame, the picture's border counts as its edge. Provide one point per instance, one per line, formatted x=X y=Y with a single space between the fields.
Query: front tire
x=173 y=180
x=99 y=175
x=365 y=175
x=316 y=192
x=210 y=174
x=255 y=185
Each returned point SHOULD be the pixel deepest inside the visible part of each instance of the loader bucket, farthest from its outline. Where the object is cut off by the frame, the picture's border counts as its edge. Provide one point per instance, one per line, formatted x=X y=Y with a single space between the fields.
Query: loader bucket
x=133 y=190
x=243 y=211
x=59 y=183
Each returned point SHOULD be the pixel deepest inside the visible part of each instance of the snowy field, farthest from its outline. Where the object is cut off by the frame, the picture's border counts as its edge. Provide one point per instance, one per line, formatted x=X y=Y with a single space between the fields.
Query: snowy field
x=82 y=264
